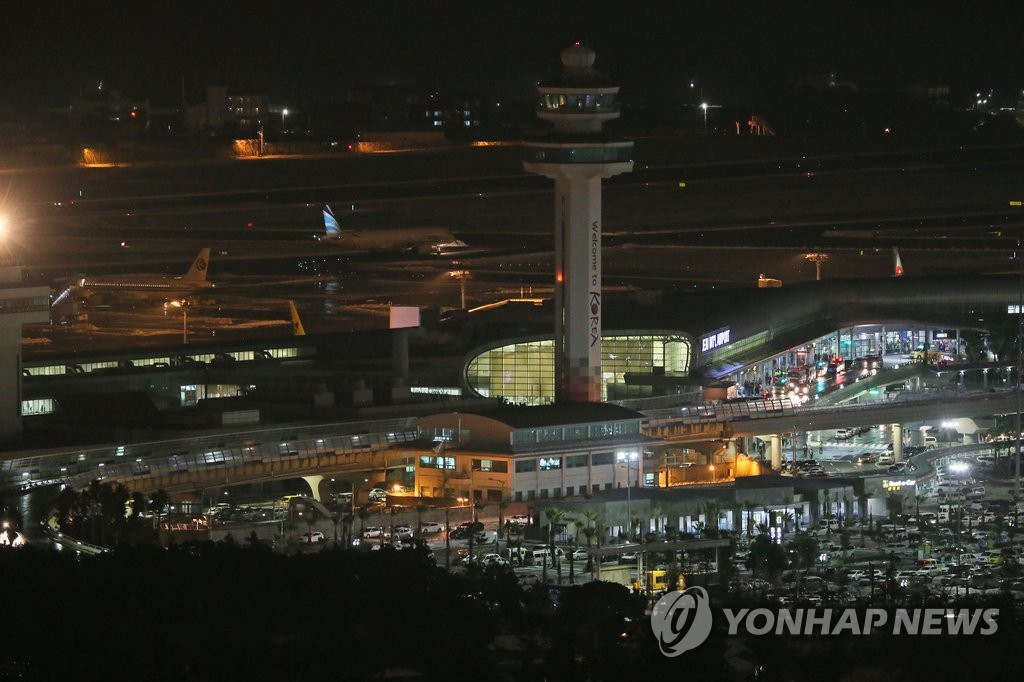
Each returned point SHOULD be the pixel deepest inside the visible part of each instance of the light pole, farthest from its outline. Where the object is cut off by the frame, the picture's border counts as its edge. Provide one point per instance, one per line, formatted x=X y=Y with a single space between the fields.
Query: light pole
x=284 y=114
x=704 y=106
x=501 y=511
x=184 y=305
x=711 y=468
x=462 y=275
x=629 y=458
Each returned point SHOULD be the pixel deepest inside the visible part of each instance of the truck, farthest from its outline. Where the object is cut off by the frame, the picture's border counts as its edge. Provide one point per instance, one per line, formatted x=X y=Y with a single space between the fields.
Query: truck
x=657 y=581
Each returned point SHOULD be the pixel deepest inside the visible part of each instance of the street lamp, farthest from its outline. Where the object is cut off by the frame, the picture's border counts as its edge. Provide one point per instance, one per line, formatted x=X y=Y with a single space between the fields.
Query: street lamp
x=184 y=305
x=628 y=458
x=284 y=114
x=462 y=275
x=711 y=468
x=704 y=106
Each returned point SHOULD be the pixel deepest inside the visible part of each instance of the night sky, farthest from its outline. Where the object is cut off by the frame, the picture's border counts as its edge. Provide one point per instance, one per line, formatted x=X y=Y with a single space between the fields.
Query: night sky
x=301 y=50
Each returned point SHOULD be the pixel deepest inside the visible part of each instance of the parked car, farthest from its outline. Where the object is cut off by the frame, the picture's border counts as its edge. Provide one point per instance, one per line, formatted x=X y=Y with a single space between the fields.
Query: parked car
x=579 y=555
x=493 y=560
x=402 y=532
x=519 y=520
x=372 y=532
x=377 y=495
x=886 y=460
x=431 y=527
x=311 y=537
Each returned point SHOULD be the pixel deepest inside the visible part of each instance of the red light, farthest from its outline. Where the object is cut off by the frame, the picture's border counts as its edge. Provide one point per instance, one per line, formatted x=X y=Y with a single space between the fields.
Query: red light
x=576 y=44
x=248 y=224
x=558 y=277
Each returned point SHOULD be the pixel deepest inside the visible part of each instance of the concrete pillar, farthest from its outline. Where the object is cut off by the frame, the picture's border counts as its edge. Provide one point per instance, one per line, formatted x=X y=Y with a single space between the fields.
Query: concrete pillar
x=897 y=442
x=315 y=482
x=776 y=450
x=400 y=353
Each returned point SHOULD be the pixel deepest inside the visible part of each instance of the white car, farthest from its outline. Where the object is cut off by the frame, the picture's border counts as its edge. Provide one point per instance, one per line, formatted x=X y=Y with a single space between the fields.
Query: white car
x=579 y=555
x=886 y=460
x=493 y=560
x=311 y=538
x=431 y=527
x=519 y=520
x=372 y=532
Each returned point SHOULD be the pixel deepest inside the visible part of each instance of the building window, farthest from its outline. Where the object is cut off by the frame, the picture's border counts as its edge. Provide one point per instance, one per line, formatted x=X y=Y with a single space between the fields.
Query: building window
x=607 y=486
x=432 y=462
x=600 y=458
x=556 y=493
x=492 y=465
x=596 y=488
x=543 y=493
x=519 y=496
x=548 y=463
x=570 y=490
x=524 y=466
x=494 y=495
x=531 y=495
x=575 y=461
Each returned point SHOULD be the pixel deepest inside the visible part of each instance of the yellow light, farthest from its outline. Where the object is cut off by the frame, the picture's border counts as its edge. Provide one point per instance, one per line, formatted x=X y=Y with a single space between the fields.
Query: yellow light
x=1015 y=203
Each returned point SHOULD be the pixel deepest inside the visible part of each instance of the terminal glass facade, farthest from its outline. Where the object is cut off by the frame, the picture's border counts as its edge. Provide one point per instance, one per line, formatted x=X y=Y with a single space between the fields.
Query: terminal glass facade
x=524 y=373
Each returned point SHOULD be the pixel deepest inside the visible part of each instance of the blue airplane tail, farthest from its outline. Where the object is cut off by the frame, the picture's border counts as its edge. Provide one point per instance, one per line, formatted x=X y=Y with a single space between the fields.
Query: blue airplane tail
x=331 y=227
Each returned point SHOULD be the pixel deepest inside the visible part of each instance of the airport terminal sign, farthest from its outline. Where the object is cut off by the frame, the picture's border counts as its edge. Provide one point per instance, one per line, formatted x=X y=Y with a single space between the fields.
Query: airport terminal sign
x=715 y=339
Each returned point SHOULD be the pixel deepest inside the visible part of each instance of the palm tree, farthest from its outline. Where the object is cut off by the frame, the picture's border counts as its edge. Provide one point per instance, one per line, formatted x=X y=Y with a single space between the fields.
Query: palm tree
x=502 y=506
x=919 y=499
x=895 y=504
x=364 y=514
x=554 y=517
x=748 y=507
x=711 y=511
x=157 y=502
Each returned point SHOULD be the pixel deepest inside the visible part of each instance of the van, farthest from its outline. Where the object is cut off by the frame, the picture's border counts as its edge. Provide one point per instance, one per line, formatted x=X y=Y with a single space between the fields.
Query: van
x=828 y=525
x=931 y=442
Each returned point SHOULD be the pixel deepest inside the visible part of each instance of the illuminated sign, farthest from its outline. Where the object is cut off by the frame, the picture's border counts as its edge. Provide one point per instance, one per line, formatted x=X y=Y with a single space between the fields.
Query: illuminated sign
x=715 y=339
x=897 y=483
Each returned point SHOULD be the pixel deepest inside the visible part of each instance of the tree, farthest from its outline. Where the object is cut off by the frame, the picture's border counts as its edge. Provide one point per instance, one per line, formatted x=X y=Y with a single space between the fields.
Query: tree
x=711 y=511
x=554 y=516
x=894 y=504
x=748 y=508
x=766 y=557
x=364 y=515
x=158 y=501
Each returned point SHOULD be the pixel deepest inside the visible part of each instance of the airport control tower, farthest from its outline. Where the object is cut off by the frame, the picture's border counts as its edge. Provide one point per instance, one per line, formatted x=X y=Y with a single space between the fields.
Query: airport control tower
x=577 y=155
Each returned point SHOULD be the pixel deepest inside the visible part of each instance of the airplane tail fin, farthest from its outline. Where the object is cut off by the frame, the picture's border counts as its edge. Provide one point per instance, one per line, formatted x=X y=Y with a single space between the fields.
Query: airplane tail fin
x=897 y=264
x=331 y=228
x=198 y=270
x=297 y=328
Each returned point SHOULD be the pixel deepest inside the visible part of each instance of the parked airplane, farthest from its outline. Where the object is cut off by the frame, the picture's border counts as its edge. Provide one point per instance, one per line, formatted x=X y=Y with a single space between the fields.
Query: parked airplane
x=144 y=285
x=425 y=241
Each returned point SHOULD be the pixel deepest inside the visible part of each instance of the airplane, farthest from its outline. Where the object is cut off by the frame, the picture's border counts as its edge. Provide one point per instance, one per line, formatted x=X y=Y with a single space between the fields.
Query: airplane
x=423 y=241
x=144 y=285
x=897 y=264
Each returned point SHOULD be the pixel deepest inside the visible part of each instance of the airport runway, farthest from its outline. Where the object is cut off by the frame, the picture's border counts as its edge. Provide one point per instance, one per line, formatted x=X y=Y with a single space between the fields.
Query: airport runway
x=673 y=227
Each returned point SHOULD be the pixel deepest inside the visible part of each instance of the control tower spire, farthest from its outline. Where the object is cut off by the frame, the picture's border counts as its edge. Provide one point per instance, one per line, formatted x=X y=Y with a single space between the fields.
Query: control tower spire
x=576 y=154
